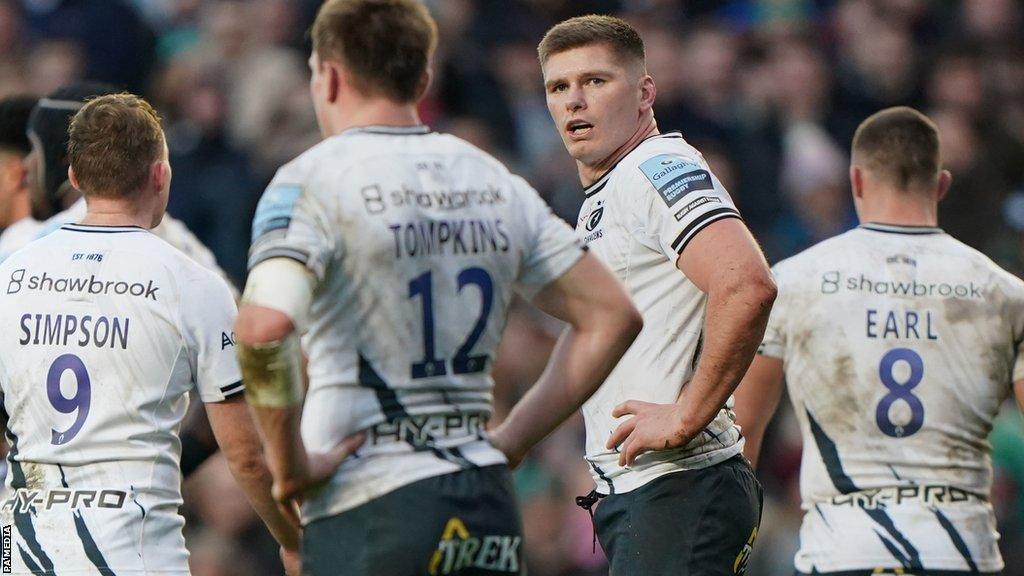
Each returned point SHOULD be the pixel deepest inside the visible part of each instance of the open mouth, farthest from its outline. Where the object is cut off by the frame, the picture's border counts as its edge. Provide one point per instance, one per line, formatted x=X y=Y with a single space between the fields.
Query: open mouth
x=578 y=128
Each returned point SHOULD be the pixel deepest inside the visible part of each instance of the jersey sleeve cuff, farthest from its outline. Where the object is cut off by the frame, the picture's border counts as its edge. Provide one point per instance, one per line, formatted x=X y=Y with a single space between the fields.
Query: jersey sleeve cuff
x=691 y=230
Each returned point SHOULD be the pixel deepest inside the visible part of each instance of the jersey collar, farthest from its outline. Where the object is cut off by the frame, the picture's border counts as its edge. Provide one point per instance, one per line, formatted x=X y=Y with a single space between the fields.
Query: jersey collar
x=900 y=228
x=600 y=183
x=98 y=229
x=389 y=130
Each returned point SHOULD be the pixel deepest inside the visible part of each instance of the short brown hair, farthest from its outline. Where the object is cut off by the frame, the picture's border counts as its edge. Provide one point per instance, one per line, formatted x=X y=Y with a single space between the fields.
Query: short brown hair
x=901 y=145
x=385 y=44
x=112 y=142
x=617 y=34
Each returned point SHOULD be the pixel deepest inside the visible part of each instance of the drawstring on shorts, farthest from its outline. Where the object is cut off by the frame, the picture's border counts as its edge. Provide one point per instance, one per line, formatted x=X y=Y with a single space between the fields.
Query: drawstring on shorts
x=587 y=503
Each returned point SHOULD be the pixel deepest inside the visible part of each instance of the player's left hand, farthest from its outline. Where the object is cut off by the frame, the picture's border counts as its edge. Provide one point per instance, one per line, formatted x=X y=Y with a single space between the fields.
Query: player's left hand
x=652 y=427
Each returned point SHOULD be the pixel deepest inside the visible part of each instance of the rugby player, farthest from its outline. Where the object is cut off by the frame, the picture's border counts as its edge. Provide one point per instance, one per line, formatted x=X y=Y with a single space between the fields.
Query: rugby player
x=898 y=344
x=56 y=202
x=678 y=496
x=106 y=330
x=398 y=251
x=17 y=227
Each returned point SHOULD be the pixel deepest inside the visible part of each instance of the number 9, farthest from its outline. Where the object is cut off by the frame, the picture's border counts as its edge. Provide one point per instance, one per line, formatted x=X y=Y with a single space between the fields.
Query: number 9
x=80 y=401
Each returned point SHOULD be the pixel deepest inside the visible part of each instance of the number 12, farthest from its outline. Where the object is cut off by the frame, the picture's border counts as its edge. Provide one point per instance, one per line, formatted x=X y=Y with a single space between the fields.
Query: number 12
x=463 y=362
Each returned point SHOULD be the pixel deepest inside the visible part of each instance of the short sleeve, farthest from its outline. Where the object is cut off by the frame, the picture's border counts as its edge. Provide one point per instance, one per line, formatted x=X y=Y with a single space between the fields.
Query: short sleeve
x=774 y=342
x=208 y=317
x=551 y=246
x=682 y=198
x=290 y=222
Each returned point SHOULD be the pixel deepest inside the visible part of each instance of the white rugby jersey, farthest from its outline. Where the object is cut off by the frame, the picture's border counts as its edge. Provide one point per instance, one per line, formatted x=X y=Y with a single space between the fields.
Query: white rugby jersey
x=899 y=345
x=105 y=331
x=170 y=230
x=638 y=218
x=417 y=241
x=17 y=235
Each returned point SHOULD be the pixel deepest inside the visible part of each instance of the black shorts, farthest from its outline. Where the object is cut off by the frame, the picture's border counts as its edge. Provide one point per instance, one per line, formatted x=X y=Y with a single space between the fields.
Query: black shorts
x=466 y=523
x=690 y=523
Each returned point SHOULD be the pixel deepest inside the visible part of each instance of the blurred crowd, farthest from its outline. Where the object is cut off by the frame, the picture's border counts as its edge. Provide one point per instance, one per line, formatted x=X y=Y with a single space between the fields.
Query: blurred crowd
x=770 y=91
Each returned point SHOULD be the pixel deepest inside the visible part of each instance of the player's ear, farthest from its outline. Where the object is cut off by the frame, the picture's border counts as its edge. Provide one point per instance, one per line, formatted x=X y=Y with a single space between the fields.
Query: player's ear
x=856 y=181
x=945 y=181
x=648 y=91
x=334 y=80
x=424 y=83
x=160 y=175
x=74 y=179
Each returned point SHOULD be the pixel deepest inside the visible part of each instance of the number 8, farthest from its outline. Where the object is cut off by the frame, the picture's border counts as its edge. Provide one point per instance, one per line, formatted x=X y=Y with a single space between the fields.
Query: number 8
x=898 y=391
x=80 y=401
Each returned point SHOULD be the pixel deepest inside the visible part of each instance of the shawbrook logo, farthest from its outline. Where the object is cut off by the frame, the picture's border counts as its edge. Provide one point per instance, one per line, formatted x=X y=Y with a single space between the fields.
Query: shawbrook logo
x=458 y=550
x=834 y=281
x=82 y=285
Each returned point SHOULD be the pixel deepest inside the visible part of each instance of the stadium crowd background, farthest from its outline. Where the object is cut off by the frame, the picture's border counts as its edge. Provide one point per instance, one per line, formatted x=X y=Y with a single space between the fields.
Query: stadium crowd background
x=770 y=90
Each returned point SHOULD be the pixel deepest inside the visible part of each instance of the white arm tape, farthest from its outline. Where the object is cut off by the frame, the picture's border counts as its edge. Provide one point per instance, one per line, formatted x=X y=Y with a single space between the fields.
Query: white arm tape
x=283 y=285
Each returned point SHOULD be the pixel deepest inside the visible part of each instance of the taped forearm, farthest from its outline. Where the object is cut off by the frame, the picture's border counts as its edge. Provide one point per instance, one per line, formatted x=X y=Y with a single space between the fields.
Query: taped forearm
x=272 y=372
x=272 y=369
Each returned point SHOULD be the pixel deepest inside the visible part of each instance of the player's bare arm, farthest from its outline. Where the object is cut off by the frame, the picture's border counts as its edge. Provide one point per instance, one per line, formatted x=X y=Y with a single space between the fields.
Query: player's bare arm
x=272 y=365
x=602 y=324
x=236 y=434
x=757 y=398
x=724 y=261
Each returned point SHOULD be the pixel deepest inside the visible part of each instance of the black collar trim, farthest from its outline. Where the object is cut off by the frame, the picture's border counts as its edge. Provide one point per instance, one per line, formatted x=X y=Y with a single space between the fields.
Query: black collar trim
x=901 y=228
x=100 y=229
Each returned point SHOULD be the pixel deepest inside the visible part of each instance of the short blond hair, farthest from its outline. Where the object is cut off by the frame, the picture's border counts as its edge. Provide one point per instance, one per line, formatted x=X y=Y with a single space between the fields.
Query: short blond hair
x=623 y=40
x=385 y=44
x=112 y=142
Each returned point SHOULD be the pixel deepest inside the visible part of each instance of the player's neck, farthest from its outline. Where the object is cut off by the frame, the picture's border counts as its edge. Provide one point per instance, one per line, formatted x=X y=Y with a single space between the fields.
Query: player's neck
x=117 y=212
x=375 y=112
x=590 y=173
x=891 y=209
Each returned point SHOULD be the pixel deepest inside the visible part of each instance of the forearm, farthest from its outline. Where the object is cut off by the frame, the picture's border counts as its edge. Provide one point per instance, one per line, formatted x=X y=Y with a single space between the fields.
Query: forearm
x=256 y=482
x=579 y=364
x=734 y=326
x=282 y=441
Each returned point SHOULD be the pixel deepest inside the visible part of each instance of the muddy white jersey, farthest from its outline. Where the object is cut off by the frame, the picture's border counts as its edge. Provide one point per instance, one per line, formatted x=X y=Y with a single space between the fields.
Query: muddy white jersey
x=105 y=332
x=899 y=344
x=418 y=241
x=638 y=218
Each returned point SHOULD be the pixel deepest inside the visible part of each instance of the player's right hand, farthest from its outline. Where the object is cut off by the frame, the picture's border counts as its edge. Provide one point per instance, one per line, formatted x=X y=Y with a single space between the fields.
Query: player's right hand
x=320 y=467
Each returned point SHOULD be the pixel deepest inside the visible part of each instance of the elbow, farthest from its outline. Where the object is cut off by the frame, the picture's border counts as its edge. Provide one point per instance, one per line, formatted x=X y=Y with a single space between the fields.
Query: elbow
x=627 y=320
x=259 y=325
x=764 y=291
x=756 y=288
x=248 y=466
x=633 y=322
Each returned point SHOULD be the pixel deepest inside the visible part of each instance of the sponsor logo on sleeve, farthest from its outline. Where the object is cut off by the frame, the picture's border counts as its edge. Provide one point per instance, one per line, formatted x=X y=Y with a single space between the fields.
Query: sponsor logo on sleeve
x=275 y=209
x=674 y=177
x=697 y=204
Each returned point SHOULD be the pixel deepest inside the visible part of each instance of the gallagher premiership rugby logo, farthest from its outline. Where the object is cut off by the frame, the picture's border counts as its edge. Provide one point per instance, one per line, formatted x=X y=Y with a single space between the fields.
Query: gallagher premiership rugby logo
x=595 y=218
x=458 y=550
